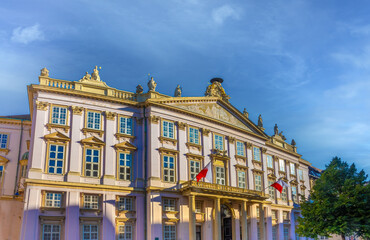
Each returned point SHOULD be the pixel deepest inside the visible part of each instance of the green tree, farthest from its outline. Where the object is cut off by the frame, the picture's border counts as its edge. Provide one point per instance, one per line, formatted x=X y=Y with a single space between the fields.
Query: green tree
x=339 y=203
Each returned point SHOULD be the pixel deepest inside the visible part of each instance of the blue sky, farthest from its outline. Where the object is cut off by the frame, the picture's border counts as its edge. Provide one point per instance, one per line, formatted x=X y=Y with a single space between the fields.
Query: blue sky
x=301 y=64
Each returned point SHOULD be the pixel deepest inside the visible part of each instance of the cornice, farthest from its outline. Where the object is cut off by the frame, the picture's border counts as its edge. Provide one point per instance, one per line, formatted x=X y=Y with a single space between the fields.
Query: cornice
x=283 y=149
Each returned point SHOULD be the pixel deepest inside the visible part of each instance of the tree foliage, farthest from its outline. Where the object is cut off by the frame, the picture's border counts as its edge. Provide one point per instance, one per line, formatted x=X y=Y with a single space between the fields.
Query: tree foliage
x=339 y=203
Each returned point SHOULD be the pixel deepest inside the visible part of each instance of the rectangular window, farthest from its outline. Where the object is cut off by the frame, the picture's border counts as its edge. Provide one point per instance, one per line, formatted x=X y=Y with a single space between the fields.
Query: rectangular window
x=271 y=190
x=198 y=206
x=219 y=142
x=169 y=204
x=125 y=125
x=3 y=141
x=292 y=168
x=56 y=159
x=294 y=194
x=91 y=202
x=124 y=166
x=53 y=200
x=194 y=168
x=220 y=175
x=194 y=135
x=256 y=154
x=270 y=161
x=300 y=174
x=169 y=232
x=286 y=233
x=258 y=212
x=90 y=232
x=274 y=232
x=168 y=169
x=281 y=165
x=125 y=204
x=93 y=120
x=258 y=182
x=92 y=162
x=284 y=195
x=285 y=215
x=125 y=232
x=51 y=231
x=59 y=115
x=274 y=215
x=168 y=129
x=240 y=148
x=241 y=179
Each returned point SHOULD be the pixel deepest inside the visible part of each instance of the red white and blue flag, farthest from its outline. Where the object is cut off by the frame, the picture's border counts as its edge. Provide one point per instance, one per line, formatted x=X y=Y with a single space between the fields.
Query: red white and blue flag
x=279 y=185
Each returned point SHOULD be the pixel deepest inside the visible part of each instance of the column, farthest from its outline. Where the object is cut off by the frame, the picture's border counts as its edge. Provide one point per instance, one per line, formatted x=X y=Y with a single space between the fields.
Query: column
x=75 y=155
x=109 y=216
x=281 y=224
x=192 y=233
x=268 y=234
x=244 y=221
x=109 y=159
x=262 y=221
x=217 y=220
x=72 y=224
x=292 y=225
x=254 y=226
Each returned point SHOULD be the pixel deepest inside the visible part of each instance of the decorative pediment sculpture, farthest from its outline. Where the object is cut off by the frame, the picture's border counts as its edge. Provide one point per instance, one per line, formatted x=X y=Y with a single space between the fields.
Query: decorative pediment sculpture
x=293 y=143
x=178 y=91
x=56 y=137
x=215 y=89
x=125 y=146
x=95 y=75
x=44 y=72
x=152 y=84
x=276 y=129
x=139 y=89
x=260 y=121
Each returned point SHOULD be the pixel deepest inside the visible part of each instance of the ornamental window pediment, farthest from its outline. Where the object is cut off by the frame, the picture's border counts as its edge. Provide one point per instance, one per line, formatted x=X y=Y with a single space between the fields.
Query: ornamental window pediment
x=56 y=137
x=125 y=146
x=92 y=141
x=3 y=160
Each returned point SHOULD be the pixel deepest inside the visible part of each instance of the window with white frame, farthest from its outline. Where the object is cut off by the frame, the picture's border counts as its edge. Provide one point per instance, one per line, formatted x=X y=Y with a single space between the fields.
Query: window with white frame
x=91 y=201
x=169 y=232
x=271 y=190
x=284 y=195
x=300 y=174
x=93 y=120
x=169 y=204
x=124 y=169
x=258 y=182
x=286 y=233
x=125 y=125
x=168 y=129
x=59 y=115
x=256 y=154
x=219 y=142
x=56 y=159
x=198 y=206
x=92 y=162
x=51 y=232
x=241 y=179
x=194 y=135
x=281 y=165
x=90 y=232
x=220 y=175
x=125 y=232
x=168 y=168
x=270 y=161
x=294 y=193
x=3 y=140
x=53 y=200
x=240 y=148
x=125 y=204
x=292 y=168
x=194 y=168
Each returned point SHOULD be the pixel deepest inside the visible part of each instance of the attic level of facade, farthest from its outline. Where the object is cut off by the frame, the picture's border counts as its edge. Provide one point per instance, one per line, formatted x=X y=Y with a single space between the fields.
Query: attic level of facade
x=214 y=106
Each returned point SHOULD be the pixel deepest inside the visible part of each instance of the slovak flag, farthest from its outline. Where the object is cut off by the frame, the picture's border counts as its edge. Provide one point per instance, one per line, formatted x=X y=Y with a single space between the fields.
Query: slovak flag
x=279 y=185
x=205 y=173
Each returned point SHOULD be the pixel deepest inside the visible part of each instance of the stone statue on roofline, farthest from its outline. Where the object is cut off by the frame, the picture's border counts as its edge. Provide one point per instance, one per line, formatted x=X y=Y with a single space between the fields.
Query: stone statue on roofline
x=139 y=89
x=245 y=113
x=44 y=72
x=293 y=143
x=215 y=89
x=276 y=129
x=260 y=121
x=152 y=84
x=86 y=77
x=178 y=91
x=95 y=75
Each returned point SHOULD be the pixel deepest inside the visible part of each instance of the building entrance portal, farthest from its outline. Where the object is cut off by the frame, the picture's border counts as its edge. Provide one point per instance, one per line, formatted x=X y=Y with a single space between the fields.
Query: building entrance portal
x=226 y=223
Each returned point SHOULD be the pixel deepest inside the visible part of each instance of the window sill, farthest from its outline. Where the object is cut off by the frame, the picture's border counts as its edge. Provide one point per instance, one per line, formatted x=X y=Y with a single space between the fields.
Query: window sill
x=86 y=130
x=282 y=172
x=242 y=157
x=170 y=212
x=165 y=139
x=53 y=125
x=89 y=210
x=257 y=162
x=272 y=169
x=56 y=209
x=123 y=135
x=189 y=144
x=6 y=150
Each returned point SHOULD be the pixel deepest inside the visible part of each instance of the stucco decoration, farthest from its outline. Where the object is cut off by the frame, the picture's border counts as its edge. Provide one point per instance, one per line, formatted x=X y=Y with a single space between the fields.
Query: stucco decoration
x=95 y=75
x=77 y=110
x=110 y=115
x=214 y=111
x=42 y=105
x=215 y=89
x=93 y=79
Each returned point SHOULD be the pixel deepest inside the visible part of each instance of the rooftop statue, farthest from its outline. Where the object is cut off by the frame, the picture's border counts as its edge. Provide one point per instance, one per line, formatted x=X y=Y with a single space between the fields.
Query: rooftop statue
x=44 y=72
x=260 y=122
x=245 y=113
x=178 y=91
x=215 y=89
x=152 y=84
x=139 y=89
x=276 y=129
x=86 y=77
x=95 y=75
x=293 y=143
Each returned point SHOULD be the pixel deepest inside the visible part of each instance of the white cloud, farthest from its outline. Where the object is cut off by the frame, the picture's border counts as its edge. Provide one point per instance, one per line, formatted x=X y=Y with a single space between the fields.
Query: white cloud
x=220 y=14
x=27 y=34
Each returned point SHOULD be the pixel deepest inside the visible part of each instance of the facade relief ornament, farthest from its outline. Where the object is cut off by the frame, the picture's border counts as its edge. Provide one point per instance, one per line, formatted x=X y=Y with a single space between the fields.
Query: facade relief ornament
x=95 y=75
x=264 y=150
x=44 y=72
x=77 y=110
x=205 y=131
x=154 y=119
x=231 y=139
x=152 y=84
x=249 y=145
x=110 y=115
x=178 y=91
x=43 y=106
x=181 y=125
x=215 y=89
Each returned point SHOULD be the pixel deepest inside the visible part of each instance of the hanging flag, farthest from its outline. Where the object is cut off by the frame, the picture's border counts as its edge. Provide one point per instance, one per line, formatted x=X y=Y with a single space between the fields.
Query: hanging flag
x=279 y=185
x=205 y=173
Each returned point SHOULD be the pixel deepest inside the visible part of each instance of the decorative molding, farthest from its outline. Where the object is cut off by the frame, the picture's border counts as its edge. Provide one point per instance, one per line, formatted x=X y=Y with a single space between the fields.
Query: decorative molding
x=165 y=139
x=122 y=135
x=86 y=130
x=3 y=160
x=190 y=145
x=125 y=146
x=257 y=171
x=264 y=150
x=92 y=141
x=249 y=145
x=77 y=110
x=110 y=115
x=6 y=150
x=181 y=125
x=154 y=119
x=168 y=151
x=64 y=127
x=43 y=106
x=240 y=167
x=240 y=157
x=205 y=131
x=194 y=156
x=231 y=139
x=57 y=137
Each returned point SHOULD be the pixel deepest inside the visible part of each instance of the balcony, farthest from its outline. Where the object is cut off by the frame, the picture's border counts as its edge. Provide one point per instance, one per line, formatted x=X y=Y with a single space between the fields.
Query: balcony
x=204 y=188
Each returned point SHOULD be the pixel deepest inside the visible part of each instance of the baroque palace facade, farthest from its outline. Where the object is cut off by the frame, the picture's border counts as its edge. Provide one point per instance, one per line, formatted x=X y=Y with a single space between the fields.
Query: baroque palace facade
x=110 y=164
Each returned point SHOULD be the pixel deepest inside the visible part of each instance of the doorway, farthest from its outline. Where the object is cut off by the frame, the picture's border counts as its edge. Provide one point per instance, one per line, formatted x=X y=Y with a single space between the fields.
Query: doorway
x=226 y=223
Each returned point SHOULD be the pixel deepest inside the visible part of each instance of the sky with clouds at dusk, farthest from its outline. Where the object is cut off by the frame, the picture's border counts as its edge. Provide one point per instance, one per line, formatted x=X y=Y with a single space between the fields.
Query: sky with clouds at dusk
x=301 y=64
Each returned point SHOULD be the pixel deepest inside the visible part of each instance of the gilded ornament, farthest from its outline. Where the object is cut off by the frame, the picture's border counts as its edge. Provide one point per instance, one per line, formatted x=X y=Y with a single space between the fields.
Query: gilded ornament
x=42 y=105
x=231 y=139
x=44 y=72
x=181 y=125
x=264 y=150
x=77 y=110
x=215 y=89
x=154 y=119
x=249 y=145
x=95 y=75
x=110 y=115
x=205 y=131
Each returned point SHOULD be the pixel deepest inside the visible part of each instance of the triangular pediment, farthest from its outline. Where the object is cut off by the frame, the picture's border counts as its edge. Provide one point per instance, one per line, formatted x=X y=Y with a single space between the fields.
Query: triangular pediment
x=57 y=136
x=92 y=141
x=125 y=146
x=3 y=160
